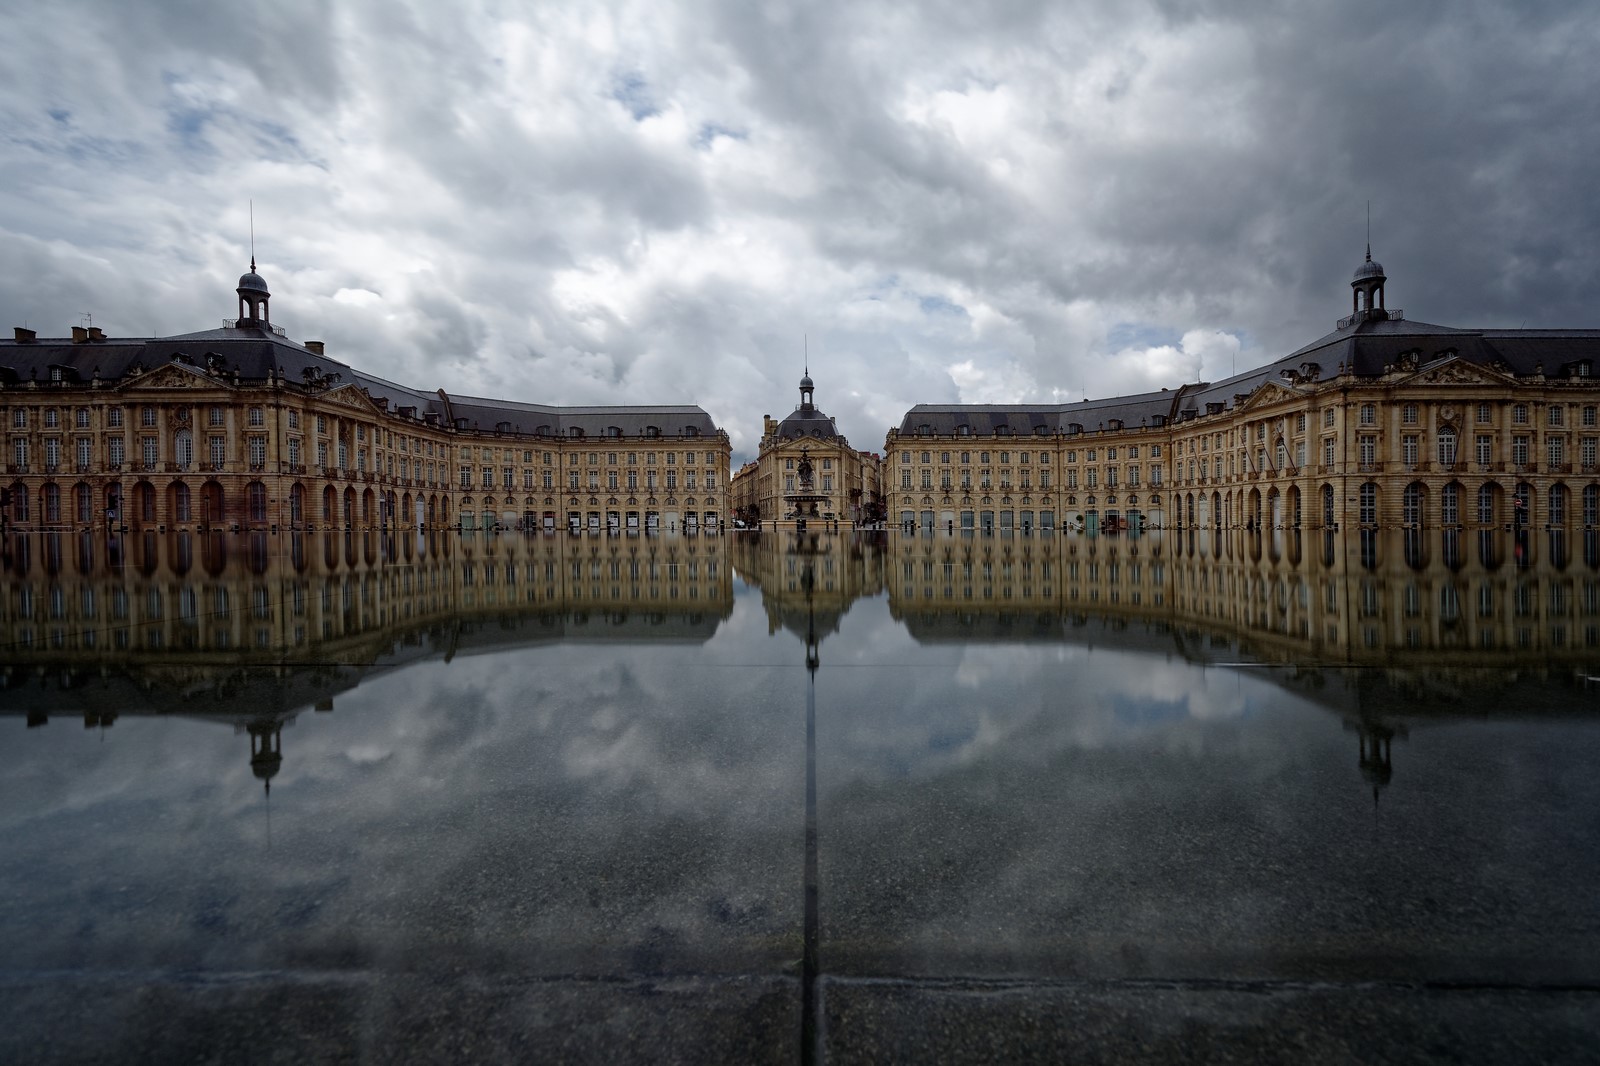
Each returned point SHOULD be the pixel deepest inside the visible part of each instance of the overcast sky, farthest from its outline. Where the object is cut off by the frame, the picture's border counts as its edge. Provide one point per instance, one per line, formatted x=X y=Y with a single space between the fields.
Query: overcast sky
x=659 y=202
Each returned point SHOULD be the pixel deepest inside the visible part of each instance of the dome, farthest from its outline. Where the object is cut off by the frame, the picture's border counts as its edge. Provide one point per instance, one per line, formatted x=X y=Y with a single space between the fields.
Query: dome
x=1369 y=269
x=803 y=423
x=253 y=282
x=805 y=382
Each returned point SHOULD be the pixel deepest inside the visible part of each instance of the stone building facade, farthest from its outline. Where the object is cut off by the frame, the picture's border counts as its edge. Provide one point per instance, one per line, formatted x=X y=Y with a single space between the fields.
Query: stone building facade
x=242 y=427
x=849 y=481
x=1382 y=423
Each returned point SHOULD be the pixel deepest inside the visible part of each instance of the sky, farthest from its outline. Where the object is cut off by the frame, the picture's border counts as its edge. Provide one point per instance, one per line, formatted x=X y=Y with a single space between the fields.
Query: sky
x=679 y=202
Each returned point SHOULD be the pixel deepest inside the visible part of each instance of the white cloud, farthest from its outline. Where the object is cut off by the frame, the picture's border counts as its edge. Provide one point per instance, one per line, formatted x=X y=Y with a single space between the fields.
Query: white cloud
x=626 y=202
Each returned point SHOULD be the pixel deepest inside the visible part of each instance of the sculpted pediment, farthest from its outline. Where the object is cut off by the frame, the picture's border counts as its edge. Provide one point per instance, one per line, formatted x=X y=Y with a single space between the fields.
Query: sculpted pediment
x=352 y=395
x=1267 y=393
x=173 y=376
x=1455 y=371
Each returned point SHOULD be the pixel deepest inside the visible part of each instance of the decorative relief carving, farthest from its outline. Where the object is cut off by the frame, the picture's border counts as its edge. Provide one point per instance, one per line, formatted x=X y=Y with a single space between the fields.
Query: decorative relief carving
x=1453 y=374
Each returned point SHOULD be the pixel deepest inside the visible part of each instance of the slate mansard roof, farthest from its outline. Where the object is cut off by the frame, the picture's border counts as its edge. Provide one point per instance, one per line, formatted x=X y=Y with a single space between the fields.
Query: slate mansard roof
x=1028 y=420
x=258 y=354
x=1364 y=345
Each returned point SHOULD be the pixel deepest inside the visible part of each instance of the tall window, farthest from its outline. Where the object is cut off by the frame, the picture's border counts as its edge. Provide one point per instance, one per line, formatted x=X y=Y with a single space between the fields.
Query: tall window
x=1450 y=505
x=256 y=500
x=1369 y=414
x=1368 y=446
x=1447 y=447
x=1411 y=504
x=1327 y=505
x=183 y=449
x=1486 y=505
x=1369 y=504
x=1485 y=449
x=1558 y=505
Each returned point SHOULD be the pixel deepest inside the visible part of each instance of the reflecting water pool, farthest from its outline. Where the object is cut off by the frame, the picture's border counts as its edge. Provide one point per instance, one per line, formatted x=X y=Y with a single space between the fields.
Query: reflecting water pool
x=778 y=797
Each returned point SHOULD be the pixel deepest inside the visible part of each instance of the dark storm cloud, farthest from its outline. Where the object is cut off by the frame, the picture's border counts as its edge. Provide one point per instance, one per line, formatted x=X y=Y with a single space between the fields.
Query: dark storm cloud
x=953 y=201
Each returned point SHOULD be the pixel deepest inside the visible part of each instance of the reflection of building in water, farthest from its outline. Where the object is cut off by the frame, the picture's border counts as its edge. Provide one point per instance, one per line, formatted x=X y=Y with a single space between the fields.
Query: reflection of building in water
x=250 y=630
x=842 y=568
x=1361 y=597
x=264 y=598
x=1384 y=423
x=1448 y=632
x=243 y=428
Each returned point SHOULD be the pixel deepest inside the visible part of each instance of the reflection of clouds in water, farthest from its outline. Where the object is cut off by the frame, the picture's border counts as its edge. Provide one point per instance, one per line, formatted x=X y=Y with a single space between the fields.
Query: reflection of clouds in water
x=959 y=705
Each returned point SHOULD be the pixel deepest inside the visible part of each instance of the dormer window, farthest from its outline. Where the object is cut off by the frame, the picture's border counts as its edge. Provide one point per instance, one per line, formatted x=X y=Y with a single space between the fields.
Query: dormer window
x=502 y=427
x=576 y=432
x=690 y=431
x=613 y=431
x=1002 y=431
x=652 y=432
x=1115 y=423
x=963 y=431
x=1041 y=431
x=1214 y=408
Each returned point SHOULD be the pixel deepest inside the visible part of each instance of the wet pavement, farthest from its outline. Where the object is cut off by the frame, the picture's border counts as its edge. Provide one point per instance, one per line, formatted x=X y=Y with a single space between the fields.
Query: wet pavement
x=466 y=798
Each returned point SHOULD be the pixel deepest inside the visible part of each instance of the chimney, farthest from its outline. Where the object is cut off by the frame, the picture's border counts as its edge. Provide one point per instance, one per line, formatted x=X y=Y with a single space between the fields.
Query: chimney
x=314 y=347
x=96 y=333
x=80 y=335
x=25 y=336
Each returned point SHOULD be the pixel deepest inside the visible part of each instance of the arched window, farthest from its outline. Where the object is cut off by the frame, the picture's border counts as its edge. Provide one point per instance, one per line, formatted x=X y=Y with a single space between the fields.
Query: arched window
x=1411 y=504
x=1327 y=505
x=256 y=501
x=1369 y=504
x=1450 y=505
x=1486 y=505
x=183 y=449
x=1558 y=505
x=1447 y=447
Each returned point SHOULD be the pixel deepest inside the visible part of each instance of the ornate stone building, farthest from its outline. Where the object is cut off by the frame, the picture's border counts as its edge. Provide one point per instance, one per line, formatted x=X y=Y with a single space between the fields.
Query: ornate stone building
x=849 y=481
x=240 y=427
x=1384 y=422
